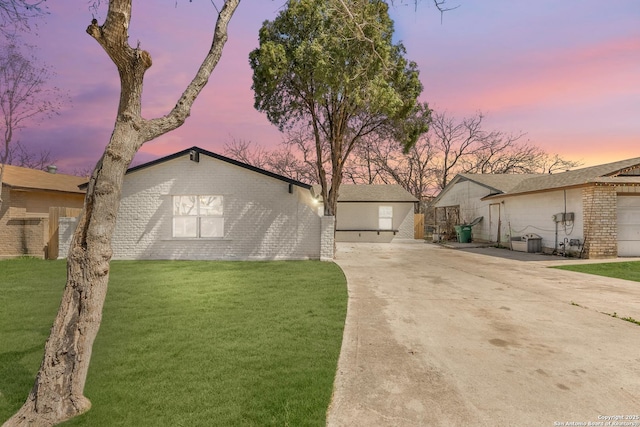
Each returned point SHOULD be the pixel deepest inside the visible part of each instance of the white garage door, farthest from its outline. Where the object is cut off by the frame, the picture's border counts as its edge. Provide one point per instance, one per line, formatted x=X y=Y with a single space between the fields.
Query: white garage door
x=628 y=226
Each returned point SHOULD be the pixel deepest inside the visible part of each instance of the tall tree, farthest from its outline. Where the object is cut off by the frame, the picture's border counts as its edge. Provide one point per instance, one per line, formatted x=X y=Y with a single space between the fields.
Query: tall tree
x=24 y=97
x=332 y=66
x=58 y=392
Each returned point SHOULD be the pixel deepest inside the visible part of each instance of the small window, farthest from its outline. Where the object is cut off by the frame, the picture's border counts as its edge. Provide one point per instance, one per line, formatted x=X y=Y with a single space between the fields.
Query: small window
x=198 y=216
x=385 y=217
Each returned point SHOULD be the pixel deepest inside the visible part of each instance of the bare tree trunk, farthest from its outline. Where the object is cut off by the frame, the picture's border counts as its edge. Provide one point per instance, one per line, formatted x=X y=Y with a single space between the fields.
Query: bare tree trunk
x=58 y=392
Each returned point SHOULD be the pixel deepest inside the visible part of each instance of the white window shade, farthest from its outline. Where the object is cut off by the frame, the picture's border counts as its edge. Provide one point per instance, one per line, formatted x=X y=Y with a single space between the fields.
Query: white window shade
x=385 y=217
x=198 y=216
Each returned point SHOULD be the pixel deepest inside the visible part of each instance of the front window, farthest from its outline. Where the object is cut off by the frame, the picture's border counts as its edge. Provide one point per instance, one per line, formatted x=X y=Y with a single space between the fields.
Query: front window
x=198 y=216
x=385 y=217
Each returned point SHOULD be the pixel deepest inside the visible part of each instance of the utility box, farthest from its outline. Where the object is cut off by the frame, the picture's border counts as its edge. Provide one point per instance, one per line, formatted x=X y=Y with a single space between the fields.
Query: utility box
x=563 y=217
x=531 y=243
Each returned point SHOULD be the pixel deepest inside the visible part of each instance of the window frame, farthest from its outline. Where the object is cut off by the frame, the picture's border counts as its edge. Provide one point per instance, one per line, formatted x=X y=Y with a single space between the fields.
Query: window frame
x=385 y=213
x=201 y=215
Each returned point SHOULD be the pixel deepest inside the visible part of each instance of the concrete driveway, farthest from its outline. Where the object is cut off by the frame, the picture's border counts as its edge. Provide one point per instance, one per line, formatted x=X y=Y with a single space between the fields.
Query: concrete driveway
x=444 y=337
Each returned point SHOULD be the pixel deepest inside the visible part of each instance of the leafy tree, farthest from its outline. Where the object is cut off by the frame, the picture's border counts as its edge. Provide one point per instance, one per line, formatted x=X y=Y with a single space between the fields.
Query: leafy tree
x=58 y=393
x=332 y=66
x=24 y=97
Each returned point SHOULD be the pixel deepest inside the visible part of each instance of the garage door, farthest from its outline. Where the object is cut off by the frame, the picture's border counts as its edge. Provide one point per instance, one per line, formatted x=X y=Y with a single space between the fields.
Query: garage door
x=628 y=226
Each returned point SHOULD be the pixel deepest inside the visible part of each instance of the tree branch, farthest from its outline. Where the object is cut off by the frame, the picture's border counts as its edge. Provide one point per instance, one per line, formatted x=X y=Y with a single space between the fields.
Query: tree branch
x=156 y=127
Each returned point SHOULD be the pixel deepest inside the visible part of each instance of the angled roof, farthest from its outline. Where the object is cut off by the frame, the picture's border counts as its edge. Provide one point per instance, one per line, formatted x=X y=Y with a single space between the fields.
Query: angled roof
x=201 y=151
x=495 y=183
x=575 y=177
x=498 y=183
x=374 y=193
x=32 y=179
x=614 y=173
x=357 y=193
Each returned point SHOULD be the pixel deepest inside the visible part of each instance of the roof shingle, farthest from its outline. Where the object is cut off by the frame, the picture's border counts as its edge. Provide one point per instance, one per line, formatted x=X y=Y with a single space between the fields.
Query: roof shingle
x=25 y=178
x=372 y=193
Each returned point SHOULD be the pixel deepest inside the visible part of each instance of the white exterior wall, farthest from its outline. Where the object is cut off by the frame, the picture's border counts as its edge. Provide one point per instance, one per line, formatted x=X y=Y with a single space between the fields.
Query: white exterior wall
x=328 y=225
x=467 y=195
x=365 y=215
x=66 y=228
x=406 y=229
x=519 y=215
x=262 y=220
x=533 y=213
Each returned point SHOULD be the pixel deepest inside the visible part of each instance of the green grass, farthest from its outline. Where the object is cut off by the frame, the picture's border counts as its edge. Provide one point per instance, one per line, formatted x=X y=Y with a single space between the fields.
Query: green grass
x=187 y=343
x=620 y=270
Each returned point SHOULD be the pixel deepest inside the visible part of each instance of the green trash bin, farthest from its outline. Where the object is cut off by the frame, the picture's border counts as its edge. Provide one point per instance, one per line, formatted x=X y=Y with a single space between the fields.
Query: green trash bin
x=463 y=232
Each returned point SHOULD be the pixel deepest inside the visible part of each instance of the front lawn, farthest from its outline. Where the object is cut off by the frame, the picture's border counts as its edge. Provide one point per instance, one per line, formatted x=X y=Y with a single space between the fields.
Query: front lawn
x=620 y=270
x=187 y=343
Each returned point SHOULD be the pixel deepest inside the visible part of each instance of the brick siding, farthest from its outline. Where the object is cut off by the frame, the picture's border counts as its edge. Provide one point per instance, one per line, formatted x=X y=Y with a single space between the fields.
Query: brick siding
x=262 y=219
x=24 y=220
x=600 y=222
x=406 y=229
x=327 y=243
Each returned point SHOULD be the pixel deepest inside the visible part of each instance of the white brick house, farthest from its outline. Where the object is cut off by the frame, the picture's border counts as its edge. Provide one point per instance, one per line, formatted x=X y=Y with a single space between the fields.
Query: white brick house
x=196 y=204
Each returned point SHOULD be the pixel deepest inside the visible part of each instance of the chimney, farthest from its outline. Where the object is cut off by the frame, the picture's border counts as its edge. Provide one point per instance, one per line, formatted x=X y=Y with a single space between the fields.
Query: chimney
x=52 y=168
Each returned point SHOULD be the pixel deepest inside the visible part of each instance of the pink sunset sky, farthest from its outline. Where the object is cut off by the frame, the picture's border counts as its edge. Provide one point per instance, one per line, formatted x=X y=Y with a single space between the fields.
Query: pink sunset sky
x=567 y=73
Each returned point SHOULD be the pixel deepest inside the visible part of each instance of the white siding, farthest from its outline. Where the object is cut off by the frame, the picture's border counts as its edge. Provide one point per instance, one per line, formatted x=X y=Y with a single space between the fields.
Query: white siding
x=519 y=215
x=262 y=220
x=533 y=213
x=467 y=195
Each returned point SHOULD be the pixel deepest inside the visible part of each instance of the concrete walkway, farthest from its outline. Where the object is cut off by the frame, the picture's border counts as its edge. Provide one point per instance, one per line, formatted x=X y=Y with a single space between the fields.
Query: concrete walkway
x=444 y=337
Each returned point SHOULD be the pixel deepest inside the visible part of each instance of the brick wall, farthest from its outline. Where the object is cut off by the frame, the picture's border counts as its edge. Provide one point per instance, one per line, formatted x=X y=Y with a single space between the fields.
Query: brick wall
x=262 y=219
x=66 y=228
x=406 y=229
x=327 y=242
x=23 y=237
x=24 y=220
x=600 y=222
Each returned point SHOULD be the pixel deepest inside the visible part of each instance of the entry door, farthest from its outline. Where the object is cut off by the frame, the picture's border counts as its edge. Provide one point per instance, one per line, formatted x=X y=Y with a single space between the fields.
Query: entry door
x=628 y=226
x=494 y=222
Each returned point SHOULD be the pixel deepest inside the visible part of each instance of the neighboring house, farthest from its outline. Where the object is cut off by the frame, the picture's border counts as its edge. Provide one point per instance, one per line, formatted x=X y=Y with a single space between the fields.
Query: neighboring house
x=591 y=212
x=374 y=213
x=28 y=195
x=196 y=204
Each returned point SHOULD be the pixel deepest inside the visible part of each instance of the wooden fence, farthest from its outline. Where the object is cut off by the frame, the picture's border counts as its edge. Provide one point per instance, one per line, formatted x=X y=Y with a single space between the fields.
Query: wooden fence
x=54 y=215
x=418 y=226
